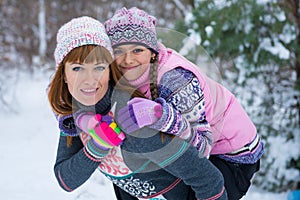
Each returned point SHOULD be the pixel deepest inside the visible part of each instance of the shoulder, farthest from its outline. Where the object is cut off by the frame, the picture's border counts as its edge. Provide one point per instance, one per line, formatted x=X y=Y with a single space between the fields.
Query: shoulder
x=177 y=79
x=178 y=73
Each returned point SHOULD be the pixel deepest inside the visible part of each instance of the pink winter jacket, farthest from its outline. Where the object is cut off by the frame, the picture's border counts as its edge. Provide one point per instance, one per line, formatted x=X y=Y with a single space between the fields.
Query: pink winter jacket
x=231 y=127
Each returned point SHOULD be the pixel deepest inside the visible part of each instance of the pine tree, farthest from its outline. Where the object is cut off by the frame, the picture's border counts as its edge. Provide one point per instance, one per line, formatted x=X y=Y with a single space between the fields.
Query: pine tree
x=257 y=47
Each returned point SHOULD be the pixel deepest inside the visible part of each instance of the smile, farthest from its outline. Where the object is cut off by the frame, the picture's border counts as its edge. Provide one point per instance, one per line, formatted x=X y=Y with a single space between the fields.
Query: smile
x=129 y=68
x=89 y=91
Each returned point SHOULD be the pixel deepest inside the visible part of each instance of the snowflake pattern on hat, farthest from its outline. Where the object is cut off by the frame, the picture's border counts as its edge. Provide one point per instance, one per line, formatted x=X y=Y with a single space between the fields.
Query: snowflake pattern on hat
x=132 y=26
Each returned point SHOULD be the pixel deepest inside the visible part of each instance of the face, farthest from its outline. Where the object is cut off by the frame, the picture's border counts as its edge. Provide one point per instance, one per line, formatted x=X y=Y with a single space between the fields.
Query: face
x=132 y=60
x=87 y=82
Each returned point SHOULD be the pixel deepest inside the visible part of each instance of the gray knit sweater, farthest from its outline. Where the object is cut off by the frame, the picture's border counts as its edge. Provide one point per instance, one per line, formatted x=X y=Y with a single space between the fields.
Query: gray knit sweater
x=145 y=166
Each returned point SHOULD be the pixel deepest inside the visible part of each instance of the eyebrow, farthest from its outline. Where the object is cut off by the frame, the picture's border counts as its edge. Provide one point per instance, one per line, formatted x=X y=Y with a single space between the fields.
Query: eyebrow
x=98 y=63
x=131 y=46
x=75 y=63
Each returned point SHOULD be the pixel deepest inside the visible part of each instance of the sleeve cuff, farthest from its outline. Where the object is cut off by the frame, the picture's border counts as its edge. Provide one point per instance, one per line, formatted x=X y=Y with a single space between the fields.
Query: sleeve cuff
x=94 y=151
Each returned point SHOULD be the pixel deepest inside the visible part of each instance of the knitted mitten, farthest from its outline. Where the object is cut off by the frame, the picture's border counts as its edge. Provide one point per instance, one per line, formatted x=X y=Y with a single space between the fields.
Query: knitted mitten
x=67 y=126
x=103 y=131
x=138 y=113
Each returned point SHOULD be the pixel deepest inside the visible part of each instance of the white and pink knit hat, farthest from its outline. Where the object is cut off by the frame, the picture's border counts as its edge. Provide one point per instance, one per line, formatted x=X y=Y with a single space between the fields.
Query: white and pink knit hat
x=79 y=32
x=132 y=26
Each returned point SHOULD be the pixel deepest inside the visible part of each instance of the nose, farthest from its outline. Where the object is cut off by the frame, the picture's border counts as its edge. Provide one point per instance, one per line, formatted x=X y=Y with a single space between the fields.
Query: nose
x=91 y=78
x=128 y=59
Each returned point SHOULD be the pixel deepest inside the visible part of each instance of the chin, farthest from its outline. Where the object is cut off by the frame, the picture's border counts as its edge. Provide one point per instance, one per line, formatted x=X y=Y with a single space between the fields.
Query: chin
x=88 y=103
x=130 y=78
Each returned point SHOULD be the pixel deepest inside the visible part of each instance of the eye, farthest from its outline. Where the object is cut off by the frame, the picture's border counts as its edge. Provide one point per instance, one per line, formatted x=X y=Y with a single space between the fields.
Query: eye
x=118 y=52
x=137 y=50
x=77 y=68
x=101 y=67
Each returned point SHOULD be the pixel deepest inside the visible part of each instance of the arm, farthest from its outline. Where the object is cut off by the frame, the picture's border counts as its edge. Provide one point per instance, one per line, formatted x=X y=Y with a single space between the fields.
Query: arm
x=178 y=111
x=179 y=159
x=203 y=177
x=76 y=163
x=184 y=113
x=73 y=165
x=172 y=155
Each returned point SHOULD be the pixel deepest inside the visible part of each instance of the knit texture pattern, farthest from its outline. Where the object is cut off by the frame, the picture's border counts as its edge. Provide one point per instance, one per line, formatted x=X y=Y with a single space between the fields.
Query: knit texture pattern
x=189 y=101
x=79 y=32
x=132 y=26
x=143 y=166
x=183 y=109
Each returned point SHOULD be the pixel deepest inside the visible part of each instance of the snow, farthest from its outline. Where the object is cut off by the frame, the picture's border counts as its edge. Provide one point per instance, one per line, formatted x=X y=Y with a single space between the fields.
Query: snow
x=277 y=49
x=28 y=150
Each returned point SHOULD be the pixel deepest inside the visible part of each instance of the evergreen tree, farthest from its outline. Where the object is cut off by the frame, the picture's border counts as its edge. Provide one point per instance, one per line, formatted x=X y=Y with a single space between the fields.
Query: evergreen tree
x=257 y=47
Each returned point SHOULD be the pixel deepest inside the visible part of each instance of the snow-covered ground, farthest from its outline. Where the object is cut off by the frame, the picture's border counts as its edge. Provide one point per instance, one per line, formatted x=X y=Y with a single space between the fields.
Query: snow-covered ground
x=28 y=147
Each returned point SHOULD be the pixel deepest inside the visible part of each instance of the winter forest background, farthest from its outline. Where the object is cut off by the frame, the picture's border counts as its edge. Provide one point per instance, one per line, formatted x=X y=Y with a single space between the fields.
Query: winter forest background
x=254 y=44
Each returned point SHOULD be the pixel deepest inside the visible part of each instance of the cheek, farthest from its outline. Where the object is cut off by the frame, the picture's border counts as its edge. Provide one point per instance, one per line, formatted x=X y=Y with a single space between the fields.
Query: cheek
x=104 y=78
x=72 y=83
x=71 y=87
x=118 y=60
x=145 y=59
x=69 y=80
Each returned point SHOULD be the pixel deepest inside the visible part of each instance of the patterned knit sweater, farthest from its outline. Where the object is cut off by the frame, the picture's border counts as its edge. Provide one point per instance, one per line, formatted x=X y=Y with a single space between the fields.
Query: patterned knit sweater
x=201 y=111
x=209 y=115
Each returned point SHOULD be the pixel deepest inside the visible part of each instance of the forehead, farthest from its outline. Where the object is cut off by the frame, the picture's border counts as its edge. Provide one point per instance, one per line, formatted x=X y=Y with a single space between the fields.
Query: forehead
x=129 y=46
x=88 y=54
x=92 y=63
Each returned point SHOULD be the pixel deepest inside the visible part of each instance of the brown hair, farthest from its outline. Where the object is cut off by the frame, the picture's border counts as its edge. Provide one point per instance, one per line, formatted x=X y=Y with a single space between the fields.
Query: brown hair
x=59 y=97
x=58 y=94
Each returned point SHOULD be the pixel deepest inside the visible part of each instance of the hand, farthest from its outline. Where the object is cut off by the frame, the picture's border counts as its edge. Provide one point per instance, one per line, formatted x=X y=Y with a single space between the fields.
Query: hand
x=67 y=126
x=138 y=113
x=104 y=132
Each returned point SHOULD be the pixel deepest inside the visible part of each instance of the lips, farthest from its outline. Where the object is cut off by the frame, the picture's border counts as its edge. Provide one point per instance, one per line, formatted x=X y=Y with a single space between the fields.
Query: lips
x=128 y=68
x=89 y=92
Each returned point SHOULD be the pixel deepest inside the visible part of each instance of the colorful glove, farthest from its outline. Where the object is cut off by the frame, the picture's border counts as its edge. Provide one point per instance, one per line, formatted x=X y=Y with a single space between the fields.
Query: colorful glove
x=104 y=132
x=138 y=113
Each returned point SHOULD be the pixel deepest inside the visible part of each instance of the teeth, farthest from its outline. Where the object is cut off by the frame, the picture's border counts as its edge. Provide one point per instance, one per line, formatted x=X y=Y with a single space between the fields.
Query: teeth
x=89 y=90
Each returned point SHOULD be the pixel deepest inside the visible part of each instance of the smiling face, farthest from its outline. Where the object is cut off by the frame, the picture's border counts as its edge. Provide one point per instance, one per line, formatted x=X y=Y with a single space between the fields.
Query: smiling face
x=82 y=76
x=132 y=60
x=87 y=82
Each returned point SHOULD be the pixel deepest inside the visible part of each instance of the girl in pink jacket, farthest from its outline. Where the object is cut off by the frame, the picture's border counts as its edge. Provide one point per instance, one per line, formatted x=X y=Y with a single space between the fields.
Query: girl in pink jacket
x=181 y=100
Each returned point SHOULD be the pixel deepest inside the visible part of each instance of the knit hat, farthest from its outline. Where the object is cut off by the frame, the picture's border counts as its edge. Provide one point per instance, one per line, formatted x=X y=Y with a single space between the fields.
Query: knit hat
x=79 y=32
x=132 y=26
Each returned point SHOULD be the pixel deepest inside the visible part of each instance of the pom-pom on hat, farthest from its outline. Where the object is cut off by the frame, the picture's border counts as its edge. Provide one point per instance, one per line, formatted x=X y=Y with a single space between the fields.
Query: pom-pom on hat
x=79 y=32
x=132 y=26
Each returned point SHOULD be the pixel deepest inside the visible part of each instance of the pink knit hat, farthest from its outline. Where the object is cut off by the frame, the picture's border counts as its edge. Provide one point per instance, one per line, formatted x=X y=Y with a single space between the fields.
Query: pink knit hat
x=79 y=32
x=132 y=26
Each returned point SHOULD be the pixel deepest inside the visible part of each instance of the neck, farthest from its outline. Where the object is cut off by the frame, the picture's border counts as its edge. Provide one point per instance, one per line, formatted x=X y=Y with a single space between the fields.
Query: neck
x=143 y=83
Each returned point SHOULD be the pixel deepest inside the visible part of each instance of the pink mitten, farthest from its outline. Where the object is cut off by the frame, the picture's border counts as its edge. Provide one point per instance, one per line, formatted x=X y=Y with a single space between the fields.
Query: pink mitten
x=138 y=113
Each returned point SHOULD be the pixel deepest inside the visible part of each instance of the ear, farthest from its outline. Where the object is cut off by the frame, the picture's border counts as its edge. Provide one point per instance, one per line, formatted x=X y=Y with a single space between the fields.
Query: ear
x=153 y=55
